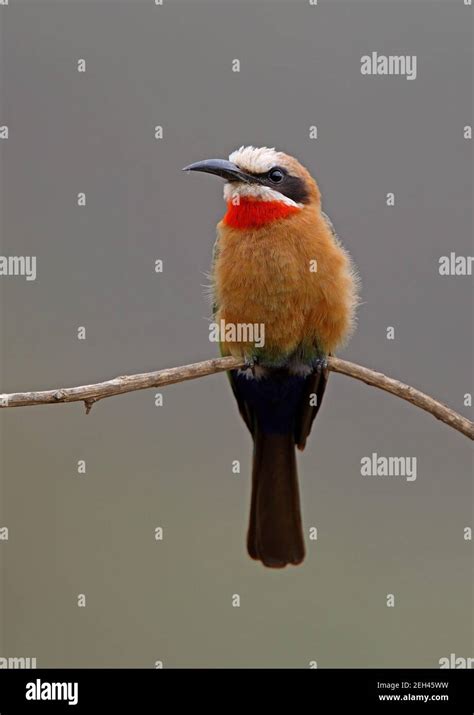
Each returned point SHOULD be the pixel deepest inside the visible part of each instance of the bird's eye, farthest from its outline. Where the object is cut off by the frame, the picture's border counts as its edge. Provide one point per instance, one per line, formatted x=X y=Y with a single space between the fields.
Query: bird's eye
x=276 y=175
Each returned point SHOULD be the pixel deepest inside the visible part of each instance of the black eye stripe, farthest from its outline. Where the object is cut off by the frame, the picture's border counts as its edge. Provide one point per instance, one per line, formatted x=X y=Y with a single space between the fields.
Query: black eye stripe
x=294 y=188
x=291 y=186
x=262 y=175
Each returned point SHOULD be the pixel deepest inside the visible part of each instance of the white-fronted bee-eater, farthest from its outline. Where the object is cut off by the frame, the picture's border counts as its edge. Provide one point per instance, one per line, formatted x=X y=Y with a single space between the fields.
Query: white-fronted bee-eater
x=278 y=264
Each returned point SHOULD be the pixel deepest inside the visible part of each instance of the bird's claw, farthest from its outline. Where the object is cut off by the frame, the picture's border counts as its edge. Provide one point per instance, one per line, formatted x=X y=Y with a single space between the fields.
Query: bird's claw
x=250 y=363
x=320 y=364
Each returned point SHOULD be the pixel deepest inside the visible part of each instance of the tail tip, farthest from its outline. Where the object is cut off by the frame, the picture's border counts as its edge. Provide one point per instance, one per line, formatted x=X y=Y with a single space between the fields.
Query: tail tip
x=276 y=562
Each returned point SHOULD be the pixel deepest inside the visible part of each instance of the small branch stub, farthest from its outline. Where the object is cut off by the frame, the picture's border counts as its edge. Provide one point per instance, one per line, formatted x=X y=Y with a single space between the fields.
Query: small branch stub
x=88 y=405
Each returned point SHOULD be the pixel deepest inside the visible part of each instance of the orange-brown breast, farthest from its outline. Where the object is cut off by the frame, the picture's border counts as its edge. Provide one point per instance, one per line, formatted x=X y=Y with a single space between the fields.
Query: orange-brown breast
x=266 y=275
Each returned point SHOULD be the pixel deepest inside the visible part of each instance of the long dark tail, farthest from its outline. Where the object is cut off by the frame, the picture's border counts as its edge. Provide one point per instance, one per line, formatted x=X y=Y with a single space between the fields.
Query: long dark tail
x=275 y=535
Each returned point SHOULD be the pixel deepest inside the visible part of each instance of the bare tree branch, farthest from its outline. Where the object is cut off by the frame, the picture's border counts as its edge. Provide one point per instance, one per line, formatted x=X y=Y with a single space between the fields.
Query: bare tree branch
x=89 y=394
x=405 y=392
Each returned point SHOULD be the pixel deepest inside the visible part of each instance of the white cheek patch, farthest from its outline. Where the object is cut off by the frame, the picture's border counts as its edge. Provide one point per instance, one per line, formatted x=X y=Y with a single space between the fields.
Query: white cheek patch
x=256 y=160
x=236 y=190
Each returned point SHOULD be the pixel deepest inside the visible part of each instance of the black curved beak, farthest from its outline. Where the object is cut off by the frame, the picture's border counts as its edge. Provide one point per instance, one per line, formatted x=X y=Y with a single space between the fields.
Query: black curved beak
x=220 y=167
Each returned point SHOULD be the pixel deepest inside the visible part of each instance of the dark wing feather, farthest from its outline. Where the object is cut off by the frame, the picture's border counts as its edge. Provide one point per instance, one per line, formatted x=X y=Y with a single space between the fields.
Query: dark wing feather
x=244 y=408
x=315 y=385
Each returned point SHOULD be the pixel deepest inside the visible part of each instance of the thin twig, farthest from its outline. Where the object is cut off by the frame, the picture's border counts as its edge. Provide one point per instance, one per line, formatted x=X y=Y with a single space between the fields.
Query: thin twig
x=405 y=392
x=89 y=394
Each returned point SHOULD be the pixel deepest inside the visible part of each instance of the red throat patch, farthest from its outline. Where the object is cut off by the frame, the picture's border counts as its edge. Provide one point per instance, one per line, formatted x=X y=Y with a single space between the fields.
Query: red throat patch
x=251 y=213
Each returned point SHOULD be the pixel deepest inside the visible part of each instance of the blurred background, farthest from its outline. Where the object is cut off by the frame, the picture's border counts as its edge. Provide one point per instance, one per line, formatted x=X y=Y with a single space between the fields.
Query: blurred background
x=71 y=533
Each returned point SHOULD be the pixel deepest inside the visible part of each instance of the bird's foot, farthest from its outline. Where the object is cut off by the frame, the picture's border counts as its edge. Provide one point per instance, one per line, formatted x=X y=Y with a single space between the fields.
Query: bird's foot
x=250 y=362
x=252 y=368
x=320 y=363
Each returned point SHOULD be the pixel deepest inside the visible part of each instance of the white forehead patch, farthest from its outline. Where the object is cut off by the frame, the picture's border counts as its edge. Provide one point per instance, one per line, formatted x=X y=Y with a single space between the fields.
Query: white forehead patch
x=256 y=160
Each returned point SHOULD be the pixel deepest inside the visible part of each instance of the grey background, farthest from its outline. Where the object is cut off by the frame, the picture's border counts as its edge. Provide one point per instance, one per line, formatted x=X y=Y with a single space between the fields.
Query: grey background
x=171 y=466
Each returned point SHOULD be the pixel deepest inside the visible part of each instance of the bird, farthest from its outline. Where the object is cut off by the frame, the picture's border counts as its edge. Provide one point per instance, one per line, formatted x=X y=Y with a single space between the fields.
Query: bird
x=279 y=264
